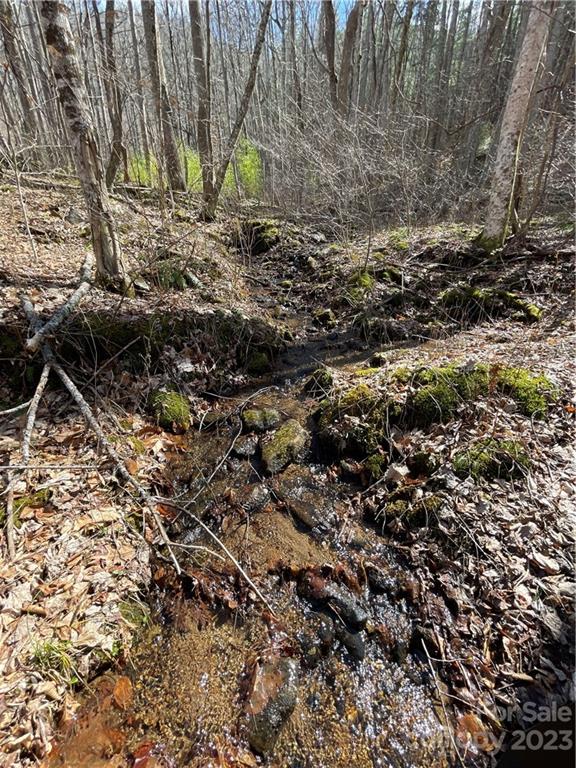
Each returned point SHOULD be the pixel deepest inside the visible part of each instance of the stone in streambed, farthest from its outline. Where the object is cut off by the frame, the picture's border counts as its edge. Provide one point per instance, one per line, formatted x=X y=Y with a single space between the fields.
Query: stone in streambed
x=286 y=445
x=271 y=702
x=260 y=419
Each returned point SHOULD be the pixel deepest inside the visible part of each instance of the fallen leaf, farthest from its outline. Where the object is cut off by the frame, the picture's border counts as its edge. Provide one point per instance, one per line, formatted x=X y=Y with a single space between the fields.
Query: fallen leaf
x=123 y=692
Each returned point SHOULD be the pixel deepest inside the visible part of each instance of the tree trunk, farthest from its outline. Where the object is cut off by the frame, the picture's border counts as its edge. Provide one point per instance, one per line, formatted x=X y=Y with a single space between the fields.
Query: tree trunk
x=209 y=208
x=516 y=112
x=11 y=47
x=161 y=98
x=399 y=73
x=144 y=137
x=118 y=152
x=346 y=61
x=203 y=89
x=70 y=87
x=330 y=47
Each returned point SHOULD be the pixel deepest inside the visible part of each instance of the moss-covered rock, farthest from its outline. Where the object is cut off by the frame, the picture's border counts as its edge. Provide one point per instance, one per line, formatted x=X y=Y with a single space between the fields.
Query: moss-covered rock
x=260 y=419
x=319 y=383
x=258 y=363
x=533 y=393
x=491 y=458
x=422 y=463
x=355 y=421
x=286 y=445
x=439 y=391
x=325 y=317
x=466 y=301
x=171 y=410
x=256 y=236
x=376 y=465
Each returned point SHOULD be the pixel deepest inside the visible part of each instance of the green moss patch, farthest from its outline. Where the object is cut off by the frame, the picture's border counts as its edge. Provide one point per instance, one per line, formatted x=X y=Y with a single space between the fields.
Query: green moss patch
x=441 y=390
x=491 y=458
x=260 y=419
x=171 y=410
x=468 y=302
x=287 y=444
x=256 y=236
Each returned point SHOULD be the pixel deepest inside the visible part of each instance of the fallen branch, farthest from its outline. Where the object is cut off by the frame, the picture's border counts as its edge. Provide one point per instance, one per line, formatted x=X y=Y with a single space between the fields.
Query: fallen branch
x=90 y=419
x=48 y=328
x=31 y=417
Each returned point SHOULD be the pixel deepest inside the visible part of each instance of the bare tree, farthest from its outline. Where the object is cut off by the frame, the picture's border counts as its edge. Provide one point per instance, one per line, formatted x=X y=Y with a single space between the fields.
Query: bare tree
x=203 y=88
x=209 y=208
x=514 y=119
x=70 y=87
x=161 y=97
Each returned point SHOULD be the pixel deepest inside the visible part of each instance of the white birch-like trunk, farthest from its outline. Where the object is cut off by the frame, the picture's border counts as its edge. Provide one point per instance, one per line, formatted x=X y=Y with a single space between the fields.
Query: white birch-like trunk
x=71 y=92
x=514 y=119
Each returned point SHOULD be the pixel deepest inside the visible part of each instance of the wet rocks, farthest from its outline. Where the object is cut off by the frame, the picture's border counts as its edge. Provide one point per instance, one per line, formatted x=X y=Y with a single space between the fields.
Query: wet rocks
x=246 y=446
x=260 y=419
x=271 y=701
x=304 y=497
x=336 y=596
x=252 y=497
x=354 y=642
x=316 y=640
x=286 y=445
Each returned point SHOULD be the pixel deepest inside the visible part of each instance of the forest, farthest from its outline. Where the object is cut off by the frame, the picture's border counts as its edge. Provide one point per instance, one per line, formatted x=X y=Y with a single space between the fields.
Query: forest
x=287 y=383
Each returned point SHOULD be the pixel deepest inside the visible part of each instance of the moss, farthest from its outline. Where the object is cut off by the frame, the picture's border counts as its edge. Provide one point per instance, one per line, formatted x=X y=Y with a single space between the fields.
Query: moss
x=138 y=445
x=256 y=236
x=491 y=458
x=319 y=383
x=286 y=445
x=532 y=393
x=434 y=402
x=398 y=239
x=365 y=371
x=355 y=421
x=422 y=463
x=424 y=511
x=171 y=410
x=376 y=465
x=402 y=374
x=363 y=280
x=472 y=302
x=395 y=509
x=325 y=318
x=134 y=613
x=260 y=419
x=258 y=363
x=34 y=500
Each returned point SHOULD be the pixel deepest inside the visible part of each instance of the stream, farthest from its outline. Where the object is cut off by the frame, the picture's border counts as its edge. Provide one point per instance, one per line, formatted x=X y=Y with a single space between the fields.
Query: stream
x=321 y=675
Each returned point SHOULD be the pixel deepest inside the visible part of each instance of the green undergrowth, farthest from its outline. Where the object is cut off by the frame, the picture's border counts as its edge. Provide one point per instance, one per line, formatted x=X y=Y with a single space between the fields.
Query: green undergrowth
x=247 y=180
x=491 y=458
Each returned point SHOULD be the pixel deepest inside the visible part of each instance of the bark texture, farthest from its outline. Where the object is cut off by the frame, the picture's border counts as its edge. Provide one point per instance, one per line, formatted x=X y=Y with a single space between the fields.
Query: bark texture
x=161 y=97
x=71 y=92
x=514 y=121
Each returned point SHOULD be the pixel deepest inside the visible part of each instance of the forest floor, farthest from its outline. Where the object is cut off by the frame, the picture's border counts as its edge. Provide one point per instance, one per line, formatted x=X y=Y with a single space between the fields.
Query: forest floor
x=423 y=504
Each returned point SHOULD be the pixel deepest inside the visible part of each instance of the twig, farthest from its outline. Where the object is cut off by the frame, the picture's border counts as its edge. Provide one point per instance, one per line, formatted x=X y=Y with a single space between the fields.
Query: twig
x=56 y=320
x=16 y=409
x=10 y=519
x=31 y=418
x=221 y=544
x=90 y=419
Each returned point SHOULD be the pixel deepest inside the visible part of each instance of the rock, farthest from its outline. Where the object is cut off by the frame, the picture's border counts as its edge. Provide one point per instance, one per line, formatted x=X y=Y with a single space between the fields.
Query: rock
x=260 y=419
x=378 y=359
x=304 y=497
x=286 y=445
x=246 y=446
x=316 y=639
x=171 y=410
x=325 y=317
x=252 y=497
x=338 y=597
x=271 y=701
x=319 y=383
x=354 y=642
